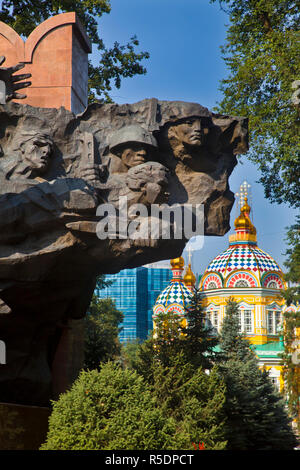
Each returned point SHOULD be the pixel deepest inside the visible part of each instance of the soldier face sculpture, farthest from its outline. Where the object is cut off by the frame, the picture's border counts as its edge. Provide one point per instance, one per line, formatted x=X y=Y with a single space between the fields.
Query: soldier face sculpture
x=133 y=144
x=134 y=155
x=36 y=152
x=190 y=132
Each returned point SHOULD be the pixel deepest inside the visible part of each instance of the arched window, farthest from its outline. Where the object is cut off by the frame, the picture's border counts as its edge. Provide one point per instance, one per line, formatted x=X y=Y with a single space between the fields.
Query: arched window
x=241 y=283
x=272 y=285
x=212 y=285
x=274 y=375
x=275 y=381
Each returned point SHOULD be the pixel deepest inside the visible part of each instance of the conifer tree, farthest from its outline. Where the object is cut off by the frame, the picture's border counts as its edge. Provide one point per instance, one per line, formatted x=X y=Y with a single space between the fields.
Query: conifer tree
x=256 y=417
x=194 y=399
x=291 y=364
x=174 y=362
x=110 y=409
x=199 y=337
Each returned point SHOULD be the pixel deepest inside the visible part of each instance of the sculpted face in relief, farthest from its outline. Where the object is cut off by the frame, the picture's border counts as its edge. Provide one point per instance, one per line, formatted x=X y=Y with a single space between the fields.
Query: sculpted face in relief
x=133 y=145
x=191 y=132
x=36 y=151
x=135 y=155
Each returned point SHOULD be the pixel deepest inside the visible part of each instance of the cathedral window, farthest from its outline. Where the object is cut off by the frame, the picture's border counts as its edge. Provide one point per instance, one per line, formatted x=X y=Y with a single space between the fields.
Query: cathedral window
x=273 y=321
x=214 y=318
x=272 y=285
x=275 y=382
x=246 y=321
x=212 y=285
x=241 y=283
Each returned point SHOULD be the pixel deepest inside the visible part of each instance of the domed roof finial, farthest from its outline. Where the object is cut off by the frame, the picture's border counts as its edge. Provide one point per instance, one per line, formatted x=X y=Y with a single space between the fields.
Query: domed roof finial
x=177 y=263
x=189 y=278
x=244 y=228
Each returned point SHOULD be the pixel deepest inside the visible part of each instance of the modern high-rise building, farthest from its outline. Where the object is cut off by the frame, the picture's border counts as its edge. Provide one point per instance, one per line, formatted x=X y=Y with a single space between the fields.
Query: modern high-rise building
x=135 y=292
x=159 y=277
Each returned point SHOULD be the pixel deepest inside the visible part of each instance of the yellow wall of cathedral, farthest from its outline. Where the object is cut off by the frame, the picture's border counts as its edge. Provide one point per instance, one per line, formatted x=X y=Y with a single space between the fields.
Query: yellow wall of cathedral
x=258 y=305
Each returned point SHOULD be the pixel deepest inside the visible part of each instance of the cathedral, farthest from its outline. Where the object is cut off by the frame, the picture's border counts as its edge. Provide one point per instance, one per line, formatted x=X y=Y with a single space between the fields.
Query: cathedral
x=245 y=273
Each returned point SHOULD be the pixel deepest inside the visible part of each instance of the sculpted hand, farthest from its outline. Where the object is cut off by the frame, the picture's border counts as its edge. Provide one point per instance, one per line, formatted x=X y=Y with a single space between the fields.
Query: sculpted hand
x=11 y=81
x=93 y=173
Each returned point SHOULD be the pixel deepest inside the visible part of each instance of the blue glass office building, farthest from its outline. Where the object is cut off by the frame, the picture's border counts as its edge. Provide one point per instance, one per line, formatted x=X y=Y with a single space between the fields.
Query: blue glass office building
x=135 y=292
x=158 y=279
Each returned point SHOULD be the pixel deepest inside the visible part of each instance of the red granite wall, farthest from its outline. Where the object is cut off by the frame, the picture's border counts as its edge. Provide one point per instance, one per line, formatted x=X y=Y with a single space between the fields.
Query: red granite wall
x=56 y=55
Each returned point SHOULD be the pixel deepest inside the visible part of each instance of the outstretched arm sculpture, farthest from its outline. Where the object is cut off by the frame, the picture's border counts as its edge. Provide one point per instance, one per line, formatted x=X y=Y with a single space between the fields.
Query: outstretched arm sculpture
x=9 y=83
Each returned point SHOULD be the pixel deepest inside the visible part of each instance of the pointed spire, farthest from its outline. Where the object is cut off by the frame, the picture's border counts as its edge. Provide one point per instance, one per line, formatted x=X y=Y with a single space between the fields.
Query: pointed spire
x=189 y=277
x=244 y=228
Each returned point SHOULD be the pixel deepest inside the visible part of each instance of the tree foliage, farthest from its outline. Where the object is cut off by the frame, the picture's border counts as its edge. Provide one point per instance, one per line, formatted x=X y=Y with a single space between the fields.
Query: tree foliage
x=291 y=361
x=194 y=399
x=109 y=409
x=115 y=63
x=255 y=412
x=262 y=55
x=292 y=263
x=174 y=362
x=199 y=336
x=291 y=369
x=102 y=327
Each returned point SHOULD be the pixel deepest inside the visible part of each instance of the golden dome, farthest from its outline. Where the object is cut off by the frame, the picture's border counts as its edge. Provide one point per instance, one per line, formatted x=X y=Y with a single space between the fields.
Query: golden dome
x=177 y=263
x=243 y=220
x=189 y=277
x=246 y=208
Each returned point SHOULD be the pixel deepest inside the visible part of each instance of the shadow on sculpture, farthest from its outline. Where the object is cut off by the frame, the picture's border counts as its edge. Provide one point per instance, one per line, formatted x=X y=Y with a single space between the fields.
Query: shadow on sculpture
x=56 y=170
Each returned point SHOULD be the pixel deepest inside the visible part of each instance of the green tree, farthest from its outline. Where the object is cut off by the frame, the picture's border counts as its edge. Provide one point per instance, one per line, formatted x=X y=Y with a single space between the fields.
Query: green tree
x=110 y=409
x=291 y=369
x=102 y=327
x=291 y=361
x=256 y=417
x=115 y=63
x=200 y=339
x=262 y=55
x=175 y=362
x=194 y=399
x=195 y=341
x=292 y=263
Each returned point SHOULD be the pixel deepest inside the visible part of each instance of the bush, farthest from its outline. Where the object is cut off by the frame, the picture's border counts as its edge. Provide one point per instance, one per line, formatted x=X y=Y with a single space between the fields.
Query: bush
x=109 y=409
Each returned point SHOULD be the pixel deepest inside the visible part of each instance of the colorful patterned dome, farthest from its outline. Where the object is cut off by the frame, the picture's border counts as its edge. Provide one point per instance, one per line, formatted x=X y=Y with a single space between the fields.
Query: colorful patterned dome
x=243 y=264
x=176 y=296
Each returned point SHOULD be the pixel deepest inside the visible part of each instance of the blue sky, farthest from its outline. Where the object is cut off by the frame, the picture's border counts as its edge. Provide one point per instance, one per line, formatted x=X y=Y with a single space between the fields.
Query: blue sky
x=184 y=39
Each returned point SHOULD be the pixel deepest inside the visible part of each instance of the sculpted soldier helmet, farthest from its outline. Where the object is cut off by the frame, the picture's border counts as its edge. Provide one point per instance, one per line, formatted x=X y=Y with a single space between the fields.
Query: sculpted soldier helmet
x=28 y=135
x=131 y=134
